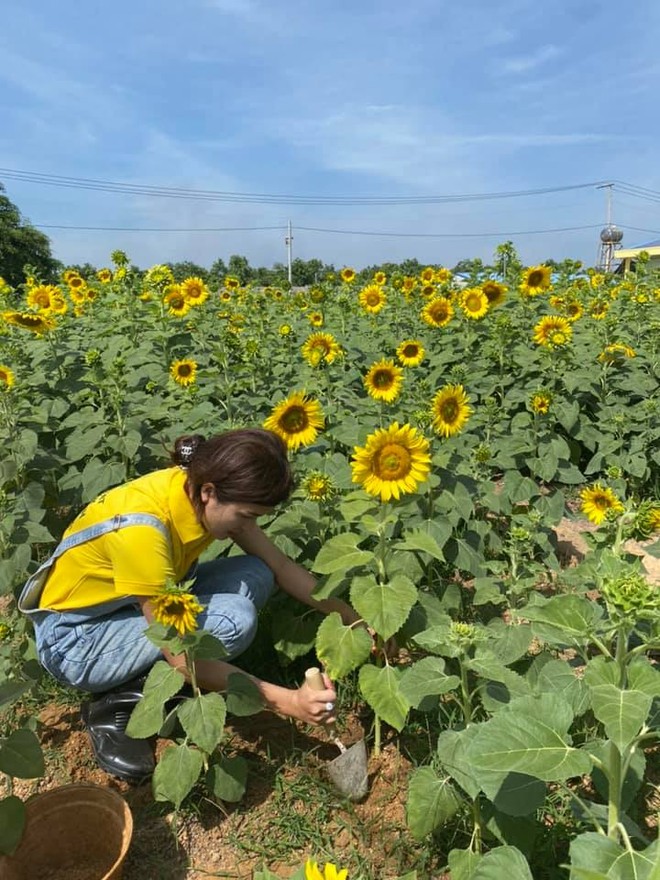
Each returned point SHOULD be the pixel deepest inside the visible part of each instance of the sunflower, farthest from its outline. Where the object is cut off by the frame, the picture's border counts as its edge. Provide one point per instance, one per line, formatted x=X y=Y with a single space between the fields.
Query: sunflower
x=598 y=501
x=438 y=312
x=41 y=297
x=598 y=308
x=553 y=331
x=535 y=280
x=450 y=410
x=427 y=275
x=225 y=296
x=58 y=305
x=68 y=274
x=347 y=275
x=330 y=872
x=597 y=280
x=540 y=403
x=315 y=319
x=494 y=292
x=75 y=282
x=318 y=486
x=36 y=323
x=173 y=606
x=104 y=276
x=176 y=303
x=5 y=288
x=474 y=303
x=372 y=298
x=7 y=377
x=297 y=420
x=616 y=353
x=410 y=353
x=392 y=462
x=384 y=381
x=321 y=347
x=442 y=275
x=194 y=290
x=429 y=291
x=184 y=372
x=380 y=278
x=572 y=310
x=231 y=283
x=408 y=284
x=285 y=330
x=158 y=276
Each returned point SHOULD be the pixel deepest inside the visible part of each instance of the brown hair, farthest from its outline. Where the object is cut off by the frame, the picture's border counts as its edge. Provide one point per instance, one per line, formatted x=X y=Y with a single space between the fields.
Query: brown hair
x=246 y=465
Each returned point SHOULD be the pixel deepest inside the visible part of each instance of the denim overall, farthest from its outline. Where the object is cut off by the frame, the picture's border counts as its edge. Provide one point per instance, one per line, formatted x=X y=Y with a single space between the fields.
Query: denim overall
x=102 y=646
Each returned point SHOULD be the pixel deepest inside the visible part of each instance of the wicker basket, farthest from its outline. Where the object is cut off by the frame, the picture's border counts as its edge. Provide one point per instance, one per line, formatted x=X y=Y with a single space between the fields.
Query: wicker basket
x=75 y=832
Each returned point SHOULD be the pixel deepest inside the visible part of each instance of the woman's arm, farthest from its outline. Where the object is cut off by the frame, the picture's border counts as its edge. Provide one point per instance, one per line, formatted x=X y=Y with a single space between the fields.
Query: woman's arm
x=292 y=578
x=302 y=703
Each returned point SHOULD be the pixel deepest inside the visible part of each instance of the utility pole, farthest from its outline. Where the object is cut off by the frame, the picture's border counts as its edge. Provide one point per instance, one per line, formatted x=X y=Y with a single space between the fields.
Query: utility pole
x=288 y=241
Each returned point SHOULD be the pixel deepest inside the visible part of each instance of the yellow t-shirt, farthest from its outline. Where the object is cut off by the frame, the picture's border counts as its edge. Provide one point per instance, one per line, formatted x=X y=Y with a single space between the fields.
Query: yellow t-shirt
x=134 y=560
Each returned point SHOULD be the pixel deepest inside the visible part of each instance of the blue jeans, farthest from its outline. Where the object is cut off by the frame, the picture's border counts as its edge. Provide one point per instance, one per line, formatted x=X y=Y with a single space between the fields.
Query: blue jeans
x=99 y=653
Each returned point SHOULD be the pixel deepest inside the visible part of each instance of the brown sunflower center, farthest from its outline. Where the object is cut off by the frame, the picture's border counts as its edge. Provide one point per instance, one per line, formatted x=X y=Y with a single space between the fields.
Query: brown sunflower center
x=392 y=462
x=184 y=370
x=410 y=351
x=449 y=410
x=602 y=502
x=535 y=278
x=439 y=312
x=473 y=302
x=383 y=379
x=175 y=607
x=294 y=419
x=373 y=299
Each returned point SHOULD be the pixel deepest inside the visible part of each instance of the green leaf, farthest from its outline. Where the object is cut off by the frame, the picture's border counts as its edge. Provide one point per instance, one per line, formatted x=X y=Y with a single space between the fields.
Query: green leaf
x=163 y=682
x=463 y=863
x=380 y=688
x=503 y=863
x=12 y=823
x=508 y=642
x=621 y=712
x=644 y=677
x=515 y=794
x=563 y=620
x=452 y=751
x=206 y=646
x=10 y=691
x=21 y=755
x=557 y=677
x=340 y=554
x=426 y=678
x=418 y=539
x=385 y=607
x=341 y=648
x=529 y=736
x=227 y=779
x=176 y=773
x=243 y=695
x=203 y=719
x=432 y=801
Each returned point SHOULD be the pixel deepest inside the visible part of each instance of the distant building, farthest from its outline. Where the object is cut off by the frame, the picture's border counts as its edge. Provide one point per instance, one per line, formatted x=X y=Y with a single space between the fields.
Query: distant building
x=628 y=256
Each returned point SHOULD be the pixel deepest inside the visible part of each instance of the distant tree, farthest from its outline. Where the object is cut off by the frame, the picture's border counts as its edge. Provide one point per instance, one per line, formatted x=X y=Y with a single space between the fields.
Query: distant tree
x=410 y=267
x=217 y=272
x=506 y=260
x=85 y=270
x=308 y=272
x=473 y=268
x=22 y=245
x=239 y=267
x=186 y=269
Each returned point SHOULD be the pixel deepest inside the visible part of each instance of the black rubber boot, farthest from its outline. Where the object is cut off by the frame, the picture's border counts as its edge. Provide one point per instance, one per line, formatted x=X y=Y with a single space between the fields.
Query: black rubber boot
x=105 y=719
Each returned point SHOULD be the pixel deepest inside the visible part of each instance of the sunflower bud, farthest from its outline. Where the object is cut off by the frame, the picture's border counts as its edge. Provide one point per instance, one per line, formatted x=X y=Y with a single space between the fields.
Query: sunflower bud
x=630 y=595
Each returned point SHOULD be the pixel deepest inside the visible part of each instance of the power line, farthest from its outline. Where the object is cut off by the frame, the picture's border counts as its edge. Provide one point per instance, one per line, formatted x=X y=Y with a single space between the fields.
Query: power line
x=319 y=229
x=266 y=198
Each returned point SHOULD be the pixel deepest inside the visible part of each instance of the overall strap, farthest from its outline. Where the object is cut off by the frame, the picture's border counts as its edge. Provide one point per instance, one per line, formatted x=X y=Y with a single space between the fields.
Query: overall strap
x=31 y=593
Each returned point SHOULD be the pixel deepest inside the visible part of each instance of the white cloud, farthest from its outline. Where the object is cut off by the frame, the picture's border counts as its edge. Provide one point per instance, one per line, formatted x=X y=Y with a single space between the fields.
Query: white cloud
x=525 y=63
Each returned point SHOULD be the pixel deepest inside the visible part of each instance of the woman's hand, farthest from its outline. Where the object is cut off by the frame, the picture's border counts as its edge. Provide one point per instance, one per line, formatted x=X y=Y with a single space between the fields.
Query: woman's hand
x=314 y=706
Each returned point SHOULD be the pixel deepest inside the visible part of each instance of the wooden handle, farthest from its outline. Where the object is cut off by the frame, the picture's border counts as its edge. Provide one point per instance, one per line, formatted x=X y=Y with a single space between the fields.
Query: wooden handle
x=314 y=679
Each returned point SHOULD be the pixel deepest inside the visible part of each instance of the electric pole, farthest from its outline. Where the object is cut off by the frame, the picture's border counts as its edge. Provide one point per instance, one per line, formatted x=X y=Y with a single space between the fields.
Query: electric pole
x=288 y=241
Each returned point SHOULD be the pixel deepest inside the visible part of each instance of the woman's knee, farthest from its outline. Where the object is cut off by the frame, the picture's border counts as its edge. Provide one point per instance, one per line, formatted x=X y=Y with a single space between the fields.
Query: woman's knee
x=232 y=619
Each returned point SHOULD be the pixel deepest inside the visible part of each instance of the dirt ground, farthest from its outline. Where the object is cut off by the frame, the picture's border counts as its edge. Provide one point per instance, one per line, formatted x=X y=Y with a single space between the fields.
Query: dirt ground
x=289 y=812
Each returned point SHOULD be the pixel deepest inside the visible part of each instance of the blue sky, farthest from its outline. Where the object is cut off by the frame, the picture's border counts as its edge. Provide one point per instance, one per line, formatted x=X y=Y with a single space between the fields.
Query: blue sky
x=376 y=98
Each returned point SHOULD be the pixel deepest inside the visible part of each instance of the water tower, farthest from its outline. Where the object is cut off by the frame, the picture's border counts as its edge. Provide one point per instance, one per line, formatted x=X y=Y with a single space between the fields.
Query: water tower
x=610 y=239
x=610 y=236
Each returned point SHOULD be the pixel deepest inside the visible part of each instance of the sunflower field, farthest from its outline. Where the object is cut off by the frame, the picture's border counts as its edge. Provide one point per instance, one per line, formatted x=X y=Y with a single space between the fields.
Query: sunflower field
x=440 y=429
